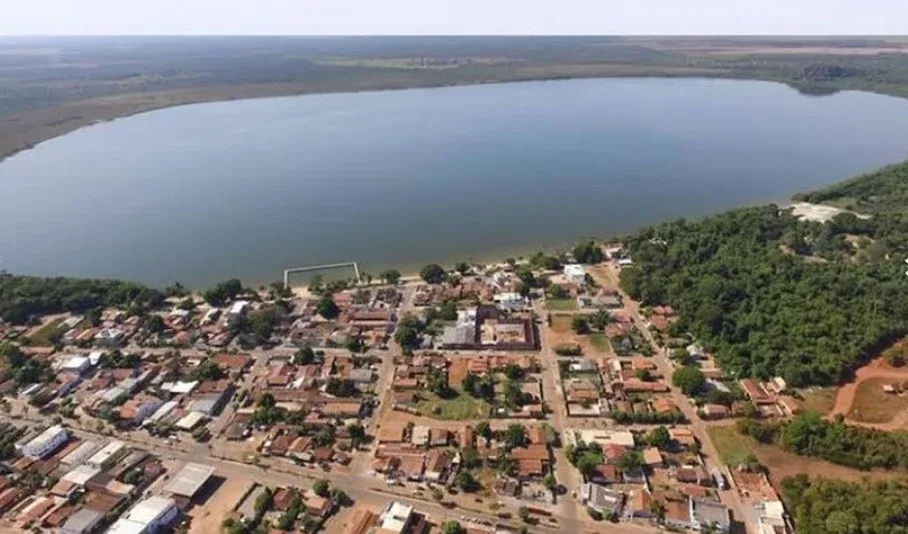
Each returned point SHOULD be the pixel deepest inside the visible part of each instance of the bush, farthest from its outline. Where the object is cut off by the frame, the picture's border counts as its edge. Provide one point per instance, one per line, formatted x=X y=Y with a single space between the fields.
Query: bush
x=568 y=349
x=690 y=379
x=433 y=273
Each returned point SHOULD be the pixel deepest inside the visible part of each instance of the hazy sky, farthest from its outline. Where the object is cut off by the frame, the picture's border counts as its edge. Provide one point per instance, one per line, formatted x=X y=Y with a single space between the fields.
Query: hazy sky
x=122 y=17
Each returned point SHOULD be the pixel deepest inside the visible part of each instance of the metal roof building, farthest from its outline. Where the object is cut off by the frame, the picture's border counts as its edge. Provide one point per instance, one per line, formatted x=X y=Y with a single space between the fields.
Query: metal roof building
x=83 y=452
x=187 y=482
x=85 y=520
x=154 y=514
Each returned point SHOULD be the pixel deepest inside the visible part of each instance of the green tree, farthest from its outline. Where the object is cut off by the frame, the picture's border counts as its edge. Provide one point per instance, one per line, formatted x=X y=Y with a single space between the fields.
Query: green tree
x=586 y=464
x=304 y=356
x=223 y=292
x=452 y=527
x=390 y=276
x=470 y=458
x=587 y=252
x=580 y=325
x=154 y=324
x=484 y=430
x=659 y=437
x=524 y=514
x=515 y=436
x=433 y=273
x=407 y=334
x=631 y=460
x=689 y=379
x=466 y=482
x=327 y=308
x=513 y=371
x=357 y=434
x=321 y=488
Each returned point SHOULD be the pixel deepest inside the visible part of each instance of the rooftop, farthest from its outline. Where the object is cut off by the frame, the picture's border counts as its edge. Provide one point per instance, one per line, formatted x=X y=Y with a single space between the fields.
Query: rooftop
x=189 y=480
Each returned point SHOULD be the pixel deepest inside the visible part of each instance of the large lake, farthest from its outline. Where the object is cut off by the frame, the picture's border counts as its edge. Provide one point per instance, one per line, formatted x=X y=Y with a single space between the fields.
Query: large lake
x=247 y=188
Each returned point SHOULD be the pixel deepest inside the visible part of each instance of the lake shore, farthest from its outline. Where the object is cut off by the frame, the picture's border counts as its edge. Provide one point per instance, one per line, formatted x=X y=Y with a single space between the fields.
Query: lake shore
x=26 y=130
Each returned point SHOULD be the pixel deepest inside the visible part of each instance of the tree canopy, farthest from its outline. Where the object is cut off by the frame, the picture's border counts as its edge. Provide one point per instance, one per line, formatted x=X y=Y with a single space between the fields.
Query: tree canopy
x=433 y=273
x=22 y=297
x=221 y=293
x=690 y=379
x=587 y=252
x=764 y=310
x=823 y=506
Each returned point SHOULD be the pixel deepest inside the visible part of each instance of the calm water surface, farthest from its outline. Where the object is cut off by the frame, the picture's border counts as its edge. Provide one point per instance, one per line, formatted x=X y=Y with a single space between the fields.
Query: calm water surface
x=205 y=192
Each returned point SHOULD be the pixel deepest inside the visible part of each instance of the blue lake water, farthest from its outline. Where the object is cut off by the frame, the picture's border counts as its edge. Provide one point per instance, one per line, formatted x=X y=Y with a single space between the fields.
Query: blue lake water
x=401 y=178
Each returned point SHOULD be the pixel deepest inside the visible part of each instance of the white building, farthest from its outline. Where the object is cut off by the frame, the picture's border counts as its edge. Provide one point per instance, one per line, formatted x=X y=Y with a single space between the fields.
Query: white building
x=111 y=452
x=396 y=517
x=772 y=518
x=109 y=337
x=154 y=514
x=83 y=452
x=236 y=313
x=575 y=273
x=75 y=364
x=45 y=443
x=510 y=301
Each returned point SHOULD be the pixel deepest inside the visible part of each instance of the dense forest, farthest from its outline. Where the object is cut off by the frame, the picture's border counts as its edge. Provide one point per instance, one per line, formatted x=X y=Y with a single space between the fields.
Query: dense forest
x=884 y=191
x=772 y=295
x=22 y=297
x=853 y=446
x=823 y=506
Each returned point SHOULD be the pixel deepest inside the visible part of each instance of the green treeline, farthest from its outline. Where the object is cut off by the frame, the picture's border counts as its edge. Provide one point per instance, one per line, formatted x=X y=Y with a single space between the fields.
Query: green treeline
x=22 y=297
x=771 y=295
x=883 y=191
x=853 y=446
x=824 y=506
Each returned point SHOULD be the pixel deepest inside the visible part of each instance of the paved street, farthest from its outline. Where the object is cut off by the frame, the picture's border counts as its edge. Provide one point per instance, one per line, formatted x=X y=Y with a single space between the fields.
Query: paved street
x=564 y=471
x=666 y=367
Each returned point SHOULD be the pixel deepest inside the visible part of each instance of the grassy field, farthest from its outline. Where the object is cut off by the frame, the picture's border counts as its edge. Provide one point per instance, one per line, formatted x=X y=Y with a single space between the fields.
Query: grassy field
x=460 y=408
x=820 y=400
x=44 y=334
x=562 y=305
x=561 y=324
x=600 y=341
x=873 y=405
x=732 y=446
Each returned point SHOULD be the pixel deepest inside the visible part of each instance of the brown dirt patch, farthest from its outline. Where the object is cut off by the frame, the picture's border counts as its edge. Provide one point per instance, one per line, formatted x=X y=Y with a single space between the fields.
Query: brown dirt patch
x=784 y=464
x=873 y=405
x=819 y=400
x=207 y=519
x=880 y=372
x=457 y=372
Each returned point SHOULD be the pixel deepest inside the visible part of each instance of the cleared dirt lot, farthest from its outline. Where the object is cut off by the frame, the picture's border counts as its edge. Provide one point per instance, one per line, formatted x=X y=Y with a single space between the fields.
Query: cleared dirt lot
x=872 y=405
x=207 y=519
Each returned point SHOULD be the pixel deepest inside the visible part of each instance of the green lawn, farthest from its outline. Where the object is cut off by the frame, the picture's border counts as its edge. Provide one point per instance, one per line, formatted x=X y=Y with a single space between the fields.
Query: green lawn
x=44 y=334
x=600 y=341
x=460 y=408
x=732 y=446
x=562 y=305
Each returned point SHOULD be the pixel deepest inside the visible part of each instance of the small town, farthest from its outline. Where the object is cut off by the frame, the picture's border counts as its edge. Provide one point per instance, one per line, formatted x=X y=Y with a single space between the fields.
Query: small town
x=528 y=396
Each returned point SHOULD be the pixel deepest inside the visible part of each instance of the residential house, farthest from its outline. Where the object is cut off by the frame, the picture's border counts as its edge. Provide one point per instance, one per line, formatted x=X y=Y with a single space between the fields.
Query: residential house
x=639 y=504
x=709 y=516
x=603 y=500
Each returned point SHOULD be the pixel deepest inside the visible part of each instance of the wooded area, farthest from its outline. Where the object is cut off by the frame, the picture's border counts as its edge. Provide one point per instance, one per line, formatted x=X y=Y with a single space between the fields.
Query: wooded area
x=852 y=446
x=823 y=506
x=772 y=295
x=22 y=297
